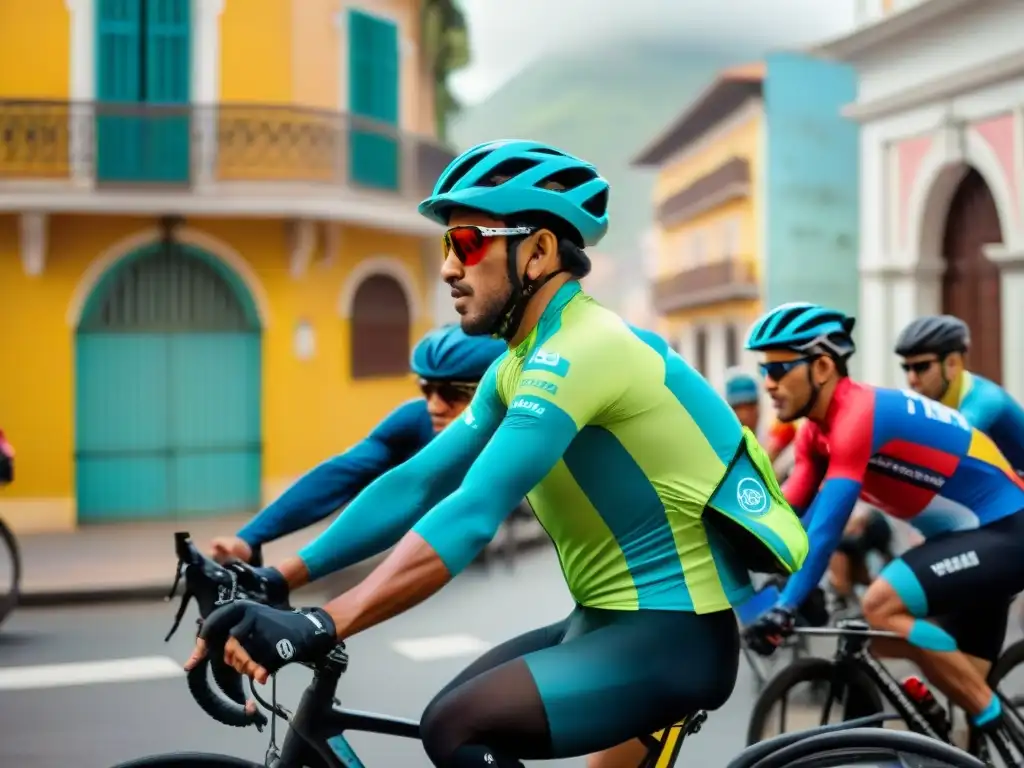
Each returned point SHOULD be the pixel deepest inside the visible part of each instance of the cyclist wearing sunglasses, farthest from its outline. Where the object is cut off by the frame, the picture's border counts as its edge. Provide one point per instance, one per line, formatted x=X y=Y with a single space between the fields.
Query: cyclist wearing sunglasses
x=449 y=365
x=917 y=460
x=933 y=350
x=656 y=498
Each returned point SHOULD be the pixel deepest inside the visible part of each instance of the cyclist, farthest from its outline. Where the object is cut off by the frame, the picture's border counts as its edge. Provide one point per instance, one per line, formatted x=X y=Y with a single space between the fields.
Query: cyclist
x=915 y=459
x=933 y=351
x=6 y=460
x=449 y=365
x=742 y=393
x=655 y=496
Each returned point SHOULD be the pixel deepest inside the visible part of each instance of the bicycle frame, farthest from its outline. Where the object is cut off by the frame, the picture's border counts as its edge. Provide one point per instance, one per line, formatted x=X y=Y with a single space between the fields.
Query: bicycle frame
x=854 y=636
x=316 y=734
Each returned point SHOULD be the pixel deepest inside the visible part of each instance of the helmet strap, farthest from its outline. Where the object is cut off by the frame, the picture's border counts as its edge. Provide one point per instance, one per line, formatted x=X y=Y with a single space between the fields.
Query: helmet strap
x=523 y=289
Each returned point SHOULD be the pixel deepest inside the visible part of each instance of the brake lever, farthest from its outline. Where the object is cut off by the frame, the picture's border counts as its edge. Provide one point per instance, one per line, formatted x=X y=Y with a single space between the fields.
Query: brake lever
x=185 y=600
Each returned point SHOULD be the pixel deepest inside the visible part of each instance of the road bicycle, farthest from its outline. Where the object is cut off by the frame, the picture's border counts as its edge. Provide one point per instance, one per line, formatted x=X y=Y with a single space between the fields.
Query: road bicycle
x=10 y=553
x=316 y=733
x=859 y=682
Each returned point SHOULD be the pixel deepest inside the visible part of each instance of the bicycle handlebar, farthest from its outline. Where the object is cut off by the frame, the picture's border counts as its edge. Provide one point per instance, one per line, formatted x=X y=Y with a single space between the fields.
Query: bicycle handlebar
x=212 y=585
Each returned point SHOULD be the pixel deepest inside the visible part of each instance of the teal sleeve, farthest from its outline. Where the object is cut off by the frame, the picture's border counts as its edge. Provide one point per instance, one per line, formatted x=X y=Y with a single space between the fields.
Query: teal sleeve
x=530 y=441
x=385 y=511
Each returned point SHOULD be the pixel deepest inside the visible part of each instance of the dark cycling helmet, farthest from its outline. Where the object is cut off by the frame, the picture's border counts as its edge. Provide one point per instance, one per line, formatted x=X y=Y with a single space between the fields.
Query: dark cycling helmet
x=939 y=334
x=447 y=353
x=740 y=387
x=803 y=327
x=527 y=166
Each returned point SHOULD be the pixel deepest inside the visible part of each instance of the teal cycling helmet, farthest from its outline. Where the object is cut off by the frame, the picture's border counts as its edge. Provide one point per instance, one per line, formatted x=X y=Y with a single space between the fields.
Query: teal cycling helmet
x=803 y=327
x=447 y=353
x=740 y=387
x=507 y=178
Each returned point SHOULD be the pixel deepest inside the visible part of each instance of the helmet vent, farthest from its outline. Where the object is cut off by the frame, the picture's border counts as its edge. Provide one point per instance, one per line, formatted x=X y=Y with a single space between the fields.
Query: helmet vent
x=460 y=172
x=598 y=204
x=506 y=170
x=566 y=179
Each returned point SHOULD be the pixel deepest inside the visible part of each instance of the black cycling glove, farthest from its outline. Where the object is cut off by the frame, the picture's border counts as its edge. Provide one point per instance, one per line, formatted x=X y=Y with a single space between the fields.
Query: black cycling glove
x=272 y=637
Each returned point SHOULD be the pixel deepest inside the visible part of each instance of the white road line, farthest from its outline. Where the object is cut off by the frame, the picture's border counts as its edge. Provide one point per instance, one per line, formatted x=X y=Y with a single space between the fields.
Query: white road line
x=440 y=647
x=89 y=673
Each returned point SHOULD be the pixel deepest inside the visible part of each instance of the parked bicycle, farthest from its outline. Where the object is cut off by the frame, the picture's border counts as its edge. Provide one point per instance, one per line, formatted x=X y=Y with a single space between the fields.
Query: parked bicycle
x=316 y=733
x=10 y=553
x=858 y=682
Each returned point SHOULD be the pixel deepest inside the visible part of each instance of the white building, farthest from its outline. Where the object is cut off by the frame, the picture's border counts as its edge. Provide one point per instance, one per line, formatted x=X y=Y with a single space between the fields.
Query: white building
x=941 y=105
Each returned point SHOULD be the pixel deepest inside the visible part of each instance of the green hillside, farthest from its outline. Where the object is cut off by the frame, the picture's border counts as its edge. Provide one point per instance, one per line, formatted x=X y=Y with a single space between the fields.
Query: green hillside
x=604 y=104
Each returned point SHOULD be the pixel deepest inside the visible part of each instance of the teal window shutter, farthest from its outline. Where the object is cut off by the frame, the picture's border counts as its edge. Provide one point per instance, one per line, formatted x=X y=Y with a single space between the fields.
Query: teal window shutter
x=168 y=76
x=118 y=82
x=373 y=94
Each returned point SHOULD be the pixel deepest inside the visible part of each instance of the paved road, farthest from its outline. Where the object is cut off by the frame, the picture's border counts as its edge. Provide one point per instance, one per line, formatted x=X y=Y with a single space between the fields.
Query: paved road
x=95 y=724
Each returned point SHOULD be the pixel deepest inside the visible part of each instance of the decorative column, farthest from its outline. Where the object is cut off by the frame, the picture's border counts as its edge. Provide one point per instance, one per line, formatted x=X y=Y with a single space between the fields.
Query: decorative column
x=1011 y=267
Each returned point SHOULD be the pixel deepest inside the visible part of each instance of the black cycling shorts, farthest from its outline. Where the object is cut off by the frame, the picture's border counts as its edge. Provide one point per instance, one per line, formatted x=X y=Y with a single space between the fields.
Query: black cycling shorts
x=590 y=682
x=964 y=581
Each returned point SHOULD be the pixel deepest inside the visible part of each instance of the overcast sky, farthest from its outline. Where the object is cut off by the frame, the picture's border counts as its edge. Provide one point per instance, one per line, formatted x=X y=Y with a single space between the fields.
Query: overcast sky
x=507 y=35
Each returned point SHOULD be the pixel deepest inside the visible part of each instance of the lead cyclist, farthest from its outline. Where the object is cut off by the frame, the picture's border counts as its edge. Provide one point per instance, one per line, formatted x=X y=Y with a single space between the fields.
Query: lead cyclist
x=657 y=500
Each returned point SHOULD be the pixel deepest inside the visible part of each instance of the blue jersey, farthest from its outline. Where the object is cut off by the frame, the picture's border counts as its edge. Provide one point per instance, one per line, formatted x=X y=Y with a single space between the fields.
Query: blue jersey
x=335 y=482
x=988 y=407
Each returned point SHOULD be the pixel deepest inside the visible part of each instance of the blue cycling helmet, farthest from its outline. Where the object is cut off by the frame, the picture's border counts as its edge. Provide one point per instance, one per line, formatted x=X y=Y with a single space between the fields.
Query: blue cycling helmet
x=505 y=178
x=803 y=327
x=740 y=387
x=448 y=353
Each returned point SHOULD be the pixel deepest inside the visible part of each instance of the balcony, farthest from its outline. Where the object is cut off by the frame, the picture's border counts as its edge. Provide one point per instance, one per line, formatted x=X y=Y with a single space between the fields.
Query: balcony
x=729 y=181
x=729 y=280
x=213 y=160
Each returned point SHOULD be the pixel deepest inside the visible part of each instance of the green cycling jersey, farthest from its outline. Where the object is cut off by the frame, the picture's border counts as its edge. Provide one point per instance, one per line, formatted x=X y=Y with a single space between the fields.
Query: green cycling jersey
x=650 y=489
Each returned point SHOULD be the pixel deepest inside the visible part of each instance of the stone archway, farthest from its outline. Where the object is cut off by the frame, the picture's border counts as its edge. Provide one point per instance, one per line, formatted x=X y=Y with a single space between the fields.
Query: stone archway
x=971 y=282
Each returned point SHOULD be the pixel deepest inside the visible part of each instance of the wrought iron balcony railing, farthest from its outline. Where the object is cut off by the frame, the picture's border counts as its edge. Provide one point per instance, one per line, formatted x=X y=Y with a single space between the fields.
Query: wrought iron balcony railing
x=728 y=280
x=181 y=147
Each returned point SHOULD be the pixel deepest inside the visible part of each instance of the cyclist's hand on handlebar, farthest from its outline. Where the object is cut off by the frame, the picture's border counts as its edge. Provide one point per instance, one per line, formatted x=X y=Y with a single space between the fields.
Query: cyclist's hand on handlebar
x=770 y=629
x=258 y=640
x=223 y=548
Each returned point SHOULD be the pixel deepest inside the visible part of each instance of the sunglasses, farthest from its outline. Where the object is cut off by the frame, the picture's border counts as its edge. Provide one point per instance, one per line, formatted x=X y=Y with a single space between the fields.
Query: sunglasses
x=449 y=391
x=779 y=369
x=921 y=366
x=469 y=244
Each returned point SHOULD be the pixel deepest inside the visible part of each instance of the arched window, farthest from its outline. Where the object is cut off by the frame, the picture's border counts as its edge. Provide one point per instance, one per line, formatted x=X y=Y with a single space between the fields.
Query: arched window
x=380 y=329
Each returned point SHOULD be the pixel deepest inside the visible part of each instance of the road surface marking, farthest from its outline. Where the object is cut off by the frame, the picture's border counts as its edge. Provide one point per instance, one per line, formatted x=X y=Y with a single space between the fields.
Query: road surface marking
x=89 y=673
x=440 y=647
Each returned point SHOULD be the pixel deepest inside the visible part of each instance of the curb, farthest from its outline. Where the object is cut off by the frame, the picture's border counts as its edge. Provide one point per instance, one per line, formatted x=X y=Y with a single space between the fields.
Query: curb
x=333 y=584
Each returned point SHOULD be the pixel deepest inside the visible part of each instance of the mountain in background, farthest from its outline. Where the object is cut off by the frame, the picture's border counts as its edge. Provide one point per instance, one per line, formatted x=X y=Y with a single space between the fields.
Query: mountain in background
x=604 y=104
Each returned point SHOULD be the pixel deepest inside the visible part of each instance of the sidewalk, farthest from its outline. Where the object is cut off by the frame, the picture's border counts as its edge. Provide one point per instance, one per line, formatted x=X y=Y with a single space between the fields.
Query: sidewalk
x=136 y=561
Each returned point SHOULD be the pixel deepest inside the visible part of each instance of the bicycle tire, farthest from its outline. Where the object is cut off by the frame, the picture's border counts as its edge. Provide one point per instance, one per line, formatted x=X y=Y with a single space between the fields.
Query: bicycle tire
x=189 y=760
x=870 y=741
x=867 y=701
x=9 y=601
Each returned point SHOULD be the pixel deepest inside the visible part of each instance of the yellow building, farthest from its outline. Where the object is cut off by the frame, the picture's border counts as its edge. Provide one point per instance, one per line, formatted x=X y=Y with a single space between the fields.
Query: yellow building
x=708 y=215
x=211 y=266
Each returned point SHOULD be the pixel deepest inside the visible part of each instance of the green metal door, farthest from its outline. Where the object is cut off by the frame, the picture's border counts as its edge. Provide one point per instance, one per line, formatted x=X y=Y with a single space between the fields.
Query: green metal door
x=373 y=94
x=168 y=382
x=143 y=73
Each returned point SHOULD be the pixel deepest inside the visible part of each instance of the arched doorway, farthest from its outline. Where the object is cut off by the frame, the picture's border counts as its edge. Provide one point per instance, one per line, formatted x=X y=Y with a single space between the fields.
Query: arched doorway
x=380 y=328
x=168 y=386
x=971 y=285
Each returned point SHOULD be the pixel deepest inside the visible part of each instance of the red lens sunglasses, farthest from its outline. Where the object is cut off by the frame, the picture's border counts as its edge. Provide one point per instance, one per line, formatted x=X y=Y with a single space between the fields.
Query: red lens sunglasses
x=469 y=243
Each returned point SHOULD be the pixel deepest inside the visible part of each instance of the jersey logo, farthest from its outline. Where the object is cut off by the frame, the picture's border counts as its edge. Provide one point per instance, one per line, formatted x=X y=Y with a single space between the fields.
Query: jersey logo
x=933 y=410
x=956 y=563
x=527 y=404
x=544 y=386
x=552 y=362
x=752 y=496
x=913 y=474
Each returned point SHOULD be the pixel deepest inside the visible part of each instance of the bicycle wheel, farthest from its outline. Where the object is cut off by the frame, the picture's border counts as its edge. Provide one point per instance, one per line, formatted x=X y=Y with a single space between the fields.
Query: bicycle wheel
x=10 y=571
x=864 y=746
x=189 y=760
x=855 y=696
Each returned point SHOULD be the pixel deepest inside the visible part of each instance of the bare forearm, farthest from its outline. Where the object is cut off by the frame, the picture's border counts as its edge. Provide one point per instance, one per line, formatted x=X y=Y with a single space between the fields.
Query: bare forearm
x=409 y=575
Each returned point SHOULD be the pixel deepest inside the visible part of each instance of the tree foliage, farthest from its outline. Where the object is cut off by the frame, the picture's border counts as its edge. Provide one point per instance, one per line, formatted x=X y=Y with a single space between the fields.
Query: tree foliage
x=445 y=46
